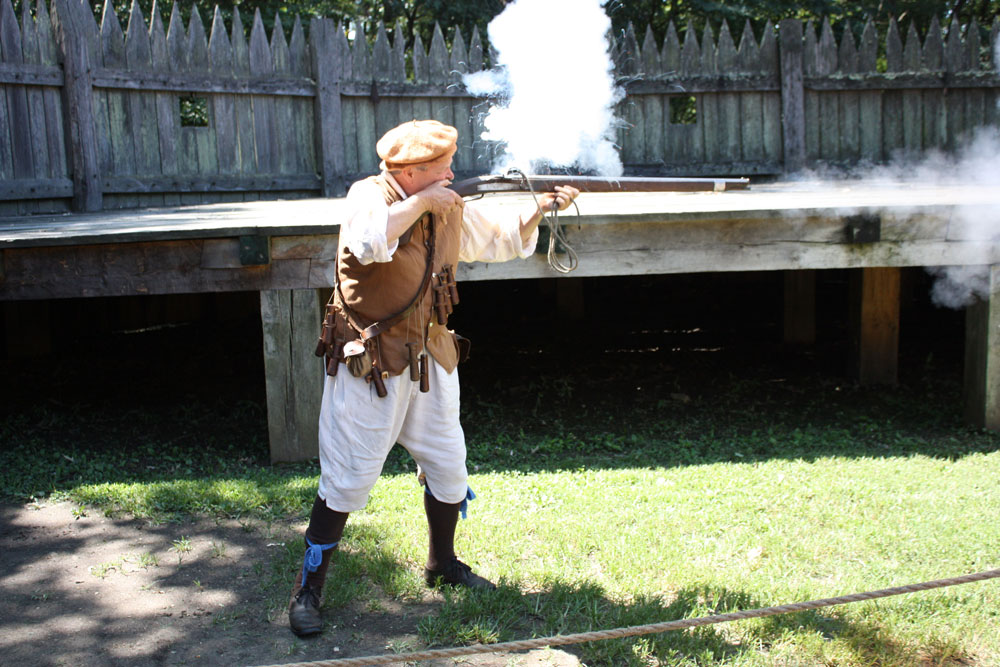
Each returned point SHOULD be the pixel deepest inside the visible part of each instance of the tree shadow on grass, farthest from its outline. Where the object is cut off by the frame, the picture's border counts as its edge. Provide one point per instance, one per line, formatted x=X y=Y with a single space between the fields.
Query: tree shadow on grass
x=223 y=603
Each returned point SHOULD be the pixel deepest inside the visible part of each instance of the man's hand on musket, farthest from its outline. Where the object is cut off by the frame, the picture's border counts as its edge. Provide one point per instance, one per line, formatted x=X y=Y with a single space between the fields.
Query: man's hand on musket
x=438 y=200
x=549 y=201
x=558 y=200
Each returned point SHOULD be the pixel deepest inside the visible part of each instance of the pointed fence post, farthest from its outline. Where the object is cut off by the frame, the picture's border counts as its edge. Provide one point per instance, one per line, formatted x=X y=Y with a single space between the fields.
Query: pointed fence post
x=78 y=102
x=792 y=96
x=329 y=116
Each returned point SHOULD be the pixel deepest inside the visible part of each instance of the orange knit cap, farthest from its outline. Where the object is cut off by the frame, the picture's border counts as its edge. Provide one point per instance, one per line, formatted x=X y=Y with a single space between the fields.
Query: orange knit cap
x=416 y=142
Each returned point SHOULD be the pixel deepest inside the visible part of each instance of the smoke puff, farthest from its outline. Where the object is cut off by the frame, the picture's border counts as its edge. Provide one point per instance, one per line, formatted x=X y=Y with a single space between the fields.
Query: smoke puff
x=976 y=164
x=554 y=86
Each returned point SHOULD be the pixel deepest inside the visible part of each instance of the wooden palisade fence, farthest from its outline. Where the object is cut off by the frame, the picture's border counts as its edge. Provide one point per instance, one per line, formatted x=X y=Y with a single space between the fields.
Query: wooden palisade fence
x=90 y=115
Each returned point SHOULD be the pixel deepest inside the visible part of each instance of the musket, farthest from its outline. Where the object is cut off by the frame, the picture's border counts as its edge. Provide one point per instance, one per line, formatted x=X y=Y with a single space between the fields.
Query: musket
x=518 y=182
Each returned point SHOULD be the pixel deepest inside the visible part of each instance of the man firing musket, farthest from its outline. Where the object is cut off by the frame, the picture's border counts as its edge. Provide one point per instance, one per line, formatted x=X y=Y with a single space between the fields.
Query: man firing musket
x=390 y=358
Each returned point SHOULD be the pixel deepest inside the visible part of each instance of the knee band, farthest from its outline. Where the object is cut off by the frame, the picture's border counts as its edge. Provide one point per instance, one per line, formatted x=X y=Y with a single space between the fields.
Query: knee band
x=314 y=557
x=463 y=507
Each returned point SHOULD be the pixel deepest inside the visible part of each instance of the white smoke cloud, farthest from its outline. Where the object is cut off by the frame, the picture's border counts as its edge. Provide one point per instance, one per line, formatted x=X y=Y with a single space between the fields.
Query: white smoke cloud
x=977 y=163
x=553 y=87
x=973 y=167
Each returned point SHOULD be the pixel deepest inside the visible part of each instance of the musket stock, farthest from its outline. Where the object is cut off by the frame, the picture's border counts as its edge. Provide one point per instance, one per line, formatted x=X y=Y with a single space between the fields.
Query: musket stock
x=546 y=183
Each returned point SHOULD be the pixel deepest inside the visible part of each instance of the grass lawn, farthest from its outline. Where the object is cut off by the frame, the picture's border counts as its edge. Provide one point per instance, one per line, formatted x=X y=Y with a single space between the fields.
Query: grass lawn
x=675 y=474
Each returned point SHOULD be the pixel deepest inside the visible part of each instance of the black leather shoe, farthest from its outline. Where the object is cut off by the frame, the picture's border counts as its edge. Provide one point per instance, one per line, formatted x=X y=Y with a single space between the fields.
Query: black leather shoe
x=303 y=612
x=457 y=573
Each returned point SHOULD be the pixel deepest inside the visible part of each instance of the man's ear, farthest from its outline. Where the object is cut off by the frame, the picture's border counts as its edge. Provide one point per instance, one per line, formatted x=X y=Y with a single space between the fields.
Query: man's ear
x=405 y=174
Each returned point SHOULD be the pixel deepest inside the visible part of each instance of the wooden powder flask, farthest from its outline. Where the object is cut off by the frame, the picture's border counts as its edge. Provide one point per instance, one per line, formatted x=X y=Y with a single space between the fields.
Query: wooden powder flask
x=326 y=338
x=441 y=305
x=333 y=357
x=412 y=348
x=376 y=379
x=448 y=278
x=445 y=293
x=425 y=383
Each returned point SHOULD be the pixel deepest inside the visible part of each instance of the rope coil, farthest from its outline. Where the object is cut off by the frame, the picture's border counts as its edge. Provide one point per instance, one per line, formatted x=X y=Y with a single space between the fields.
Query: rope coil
x=681 y=624
x=556 y=235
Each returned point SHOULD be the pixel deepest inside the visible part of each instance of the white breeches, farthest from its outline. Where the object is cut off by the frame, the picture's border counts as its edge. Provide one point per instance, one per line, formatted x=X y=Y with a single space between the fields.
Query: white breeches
x=357 y=429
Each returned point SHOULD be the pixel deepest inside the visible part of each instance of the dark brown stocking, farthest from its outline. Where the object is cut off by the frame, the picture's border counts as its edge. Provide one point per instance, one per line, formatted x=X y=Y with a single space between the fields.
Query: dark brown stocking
x=442 y=519
x=325 y=527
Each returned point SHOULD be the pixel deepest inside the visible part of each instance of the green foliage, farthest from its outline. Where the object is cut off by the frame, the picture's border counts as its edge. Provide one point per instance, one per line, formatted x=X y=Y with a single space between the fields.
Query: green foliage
x=414 y=17
x=418 y=17
x=696 y=13
x=194 y=111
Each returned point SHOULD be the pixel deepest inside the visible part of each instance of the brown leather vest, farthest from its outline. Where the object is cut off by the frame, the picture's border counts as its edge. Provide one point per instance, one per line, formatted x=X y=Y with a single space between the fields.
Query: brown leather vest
x=377 y=291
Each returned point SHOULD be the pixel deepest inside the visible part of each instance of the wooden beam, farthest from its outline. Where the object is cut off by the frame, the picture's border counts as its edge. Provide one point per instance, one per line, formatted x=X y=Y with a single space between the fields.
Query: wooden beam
x=203 y=82
x=35 y=188
x=982 y=358
x=166 y=267
x=903 y=81
x=293 y=375
x=211 y=183
x=30 y=74
x=691 y=85
x=875 y=325
x=800 y=307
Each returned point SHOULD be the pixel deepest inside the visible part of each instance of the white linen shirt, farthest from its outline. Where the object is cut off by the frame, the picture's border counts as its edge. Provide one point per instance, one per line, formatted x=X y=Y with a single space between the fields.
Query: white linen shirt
x=482 y=240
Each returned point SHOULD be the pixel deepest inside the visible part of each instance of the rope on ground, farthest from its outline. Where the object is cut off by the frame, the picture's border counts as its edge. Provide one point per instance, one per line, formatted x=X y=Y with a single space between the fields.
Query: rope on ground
x=561 y=640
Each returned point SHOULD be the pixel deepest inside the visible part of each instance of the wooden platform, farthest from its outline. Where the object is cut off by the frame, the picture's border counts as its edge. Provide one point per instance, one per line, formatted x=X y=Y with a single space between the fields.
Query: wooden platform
x=284 y=249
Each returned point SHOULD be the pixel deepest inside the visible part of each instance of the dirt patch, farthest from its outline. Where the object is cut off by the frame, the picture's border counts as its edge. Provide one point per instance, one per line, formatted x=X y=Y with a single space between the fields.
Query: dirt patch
x=79 y=588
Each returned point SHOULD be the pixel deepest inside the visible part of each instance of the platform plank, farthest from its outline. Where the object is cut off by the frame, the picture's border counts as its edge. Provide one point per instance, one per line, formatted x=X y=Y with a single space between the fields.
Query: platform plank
x=909 y=212
x=785 y=226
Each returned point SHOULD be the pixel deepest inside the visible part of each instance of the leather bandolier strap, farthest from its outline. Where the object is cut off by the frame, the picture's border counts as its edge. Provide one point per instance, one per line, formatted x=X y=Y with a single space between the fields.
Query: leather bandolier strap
x=333 y=349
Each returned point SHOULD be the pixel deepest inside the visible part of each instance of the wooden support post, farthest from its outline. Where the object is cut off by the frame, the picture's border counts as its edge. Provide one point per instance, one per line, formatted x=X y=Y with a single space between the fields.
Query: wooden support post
x=327 y=66
x=793 y=114
x=81 y=128
x=982 y=358
x=293 y=375
x=875 y=325
x=800 y=307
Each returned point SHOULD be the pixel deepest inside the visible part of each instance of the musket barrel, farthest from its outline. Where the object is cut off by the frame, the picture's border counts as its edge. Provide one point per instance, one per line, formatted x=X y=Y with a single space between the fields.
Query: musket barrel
x=547 y=183
x=639 y=184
